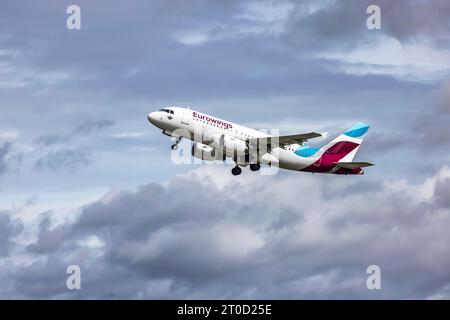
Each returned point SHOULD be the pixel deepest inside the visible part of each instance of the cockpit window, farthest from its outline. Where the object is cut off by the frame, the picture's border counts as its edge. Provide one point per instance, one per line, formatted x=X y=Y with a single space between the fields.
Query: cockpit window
x=167 y=110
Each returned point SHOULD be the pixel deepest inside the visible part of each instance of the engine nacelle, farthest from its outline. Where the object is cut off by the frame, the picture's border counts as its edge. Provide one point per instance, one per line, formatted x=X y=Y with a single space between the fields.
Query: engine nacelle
x=228 y=144
x=213 y=139
x=204 y=152
x=234 y=146
x=224 y=144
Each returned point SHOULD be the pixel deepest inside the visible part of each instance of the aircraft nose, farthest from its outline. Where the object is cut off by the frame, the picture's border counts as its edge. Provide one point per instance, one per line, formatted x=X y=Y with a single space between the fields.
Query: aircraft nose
x=151 y=117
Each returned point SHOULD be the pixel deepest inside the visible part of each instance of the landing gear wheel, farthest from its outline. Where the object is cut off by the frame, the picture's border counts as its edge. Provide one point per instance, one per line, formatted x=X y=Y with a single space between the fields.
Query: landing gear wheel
x=236 y=171
x=255 y=166
x=175 y=145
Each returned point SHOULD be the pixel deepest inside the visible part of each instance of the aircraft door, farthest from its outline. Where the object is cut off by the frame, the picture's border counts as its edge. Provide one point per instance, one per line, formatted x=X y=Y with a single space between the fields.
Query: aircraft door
x=186 y=117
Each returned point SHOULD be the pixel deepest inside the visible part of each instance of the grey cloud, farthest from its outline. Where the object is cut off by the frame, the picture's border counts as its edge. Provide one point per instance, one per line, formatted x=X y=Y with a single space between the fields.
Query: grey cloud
x=344 y=22
x=166 y=70
x=431 y=128
x=67 y=159
x=407 y=20
x=330 y=25
x=443 y=99
x=57 y=156
x=233 y=77
x=442 y=192
x=192 y=238
x=4 y=151
x=382 y=142
x=433 y=131
x=303 y=237
x=90 y=126
x=48 y=239
x=85 y=128
x=31 y=201
x=41 y=279
x=48 y=140
x=9 y=228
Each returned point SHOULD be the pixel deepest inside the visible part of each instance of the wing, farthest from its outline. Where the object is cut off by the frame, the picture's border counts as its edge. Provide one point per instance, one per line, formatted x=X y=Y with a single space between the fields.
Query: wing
x=298 y=138
x=353 y=165
x=284 y=140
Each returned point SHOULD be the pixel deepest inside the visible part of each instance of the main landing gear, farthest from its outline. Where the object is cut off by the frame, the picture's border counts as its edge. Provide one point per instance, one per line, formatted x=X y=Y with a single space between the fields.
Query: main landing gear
x=175 y=145
x=236 y=171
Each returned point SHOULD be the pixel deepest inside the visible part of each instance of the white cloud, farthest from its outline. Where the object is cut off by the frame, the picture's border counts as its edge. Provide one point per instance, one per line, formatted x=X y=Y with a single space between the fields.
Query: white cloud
x=193 y=38
x=265 y=11
x=310 y=237
x=268 y=17
x=92 y=242
x=412 y=61
x=9 y=135
x=128 y=135
x=234 y=240
x=14 y=75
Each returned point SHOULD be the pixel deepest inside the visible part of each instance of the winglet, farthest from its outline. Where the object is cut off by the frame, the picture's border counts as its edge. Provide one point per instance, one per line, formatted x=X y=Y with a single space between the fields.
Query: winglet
x=357 y=130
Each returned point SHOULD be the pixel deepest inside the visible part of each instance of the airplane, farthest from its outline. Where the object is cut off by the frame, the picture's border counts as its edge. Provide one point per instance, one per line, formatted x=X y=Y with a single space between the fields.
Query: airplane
x=217 y=139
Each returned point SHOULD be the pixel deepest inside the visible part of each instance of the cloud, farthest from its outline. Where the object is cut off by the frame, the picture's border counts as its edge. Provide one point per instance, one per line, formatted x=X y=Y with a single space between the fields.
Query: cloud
x=410 y=61
x=308 y=65
x=9 y=135
x=5 y=149
x=405 y=21
x=69 y=159
x=441 y=193
x=385 y=141
x=253 y=18
x=87 y=127
x=49 y=238
x=431 y=127
x=48 y=140
x=90 y=126
x=404 y=48
x=9 y=229
x=408 y=20
x=128 y=135
x=240 y=239
x=55 y=155
x=443 y=99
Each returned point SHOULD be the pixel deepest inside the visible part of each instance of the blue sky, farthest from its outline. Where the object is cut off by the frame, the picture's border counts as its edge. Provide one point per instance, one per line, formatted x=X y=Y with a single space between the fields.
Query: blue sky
x=76 y=150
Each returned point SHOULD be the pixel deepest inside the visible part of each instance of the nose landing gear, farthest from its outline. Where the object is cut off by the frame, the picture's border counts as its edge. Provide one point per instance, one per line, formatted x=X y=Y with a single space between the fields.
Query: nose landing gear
x=255 y=166
x=175 y=145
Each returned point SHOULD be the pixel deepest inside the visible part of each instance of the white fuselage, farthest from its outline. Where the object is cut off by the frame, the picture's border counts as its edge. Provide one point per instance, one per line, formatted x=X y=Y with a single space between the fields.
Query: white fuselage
x=197 y=126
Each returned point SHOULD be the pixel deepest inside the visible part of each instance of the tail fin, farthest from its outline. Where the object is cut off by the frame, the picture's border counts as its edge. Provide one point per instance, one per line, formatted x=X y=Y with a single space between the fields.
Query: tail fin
x=345 y=146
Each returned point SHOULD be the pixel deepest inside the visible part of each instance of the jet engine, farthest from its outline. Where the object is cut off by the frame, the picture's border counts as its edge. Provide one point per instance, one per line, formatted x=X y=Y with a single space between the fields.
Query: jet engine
x=232 y=147
x=204 y=152
x=229 y=146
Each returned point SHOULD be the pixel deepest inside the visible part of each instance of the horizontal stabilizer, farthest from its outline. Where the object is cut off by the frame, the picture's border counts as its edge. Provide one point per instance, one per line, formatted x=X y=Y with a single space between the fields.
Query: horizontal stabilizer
x=353 y=165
